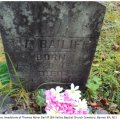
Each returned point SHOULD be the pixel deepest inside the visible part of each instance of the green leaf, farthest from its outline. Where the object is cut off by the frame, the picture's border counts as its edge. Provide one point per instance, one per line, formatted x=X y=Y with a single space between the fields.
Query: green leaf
x=4 y=75
x=41 y=97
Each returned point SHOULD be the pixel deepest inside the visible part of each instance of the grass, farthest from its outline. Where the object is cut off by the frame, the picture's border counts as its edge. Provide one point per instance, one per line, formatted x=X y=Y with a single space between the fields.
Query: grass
x=8 y=87
x=104 y=79
x=106 y=64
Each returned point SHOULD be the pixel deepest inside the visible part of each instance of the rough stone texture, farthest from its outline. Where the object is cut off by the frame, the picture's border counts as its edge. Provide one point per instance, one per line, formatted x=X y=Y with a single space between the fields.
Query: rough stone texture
x=6 y=100
x=50 y=41
x=8 y=110
x=4 y=109
x=101 y=112
x=19 y=111
x=5 y=104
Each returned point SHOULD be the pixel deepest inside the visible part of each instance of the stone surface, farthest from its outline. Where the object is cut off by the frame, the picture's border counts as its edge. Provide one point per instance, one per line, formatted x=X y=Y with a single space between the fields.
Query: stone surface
x=4 y=109
x=50 y=41
x=101 y=112
x=6 y=100
x=19 y=111
x=6 y=104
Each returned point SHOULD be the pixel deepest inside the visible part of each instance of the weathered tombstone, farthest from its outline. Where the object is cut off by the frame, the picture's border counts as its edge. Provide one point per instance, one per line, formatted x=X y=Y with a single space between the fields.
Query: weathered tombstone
x=50 y=41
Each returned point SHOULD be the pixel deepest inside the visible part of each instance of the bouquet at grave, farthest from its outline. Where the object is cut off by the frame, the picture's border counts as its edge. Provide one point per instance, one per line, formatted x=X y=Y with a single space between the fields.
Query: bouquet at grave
x=67 y=101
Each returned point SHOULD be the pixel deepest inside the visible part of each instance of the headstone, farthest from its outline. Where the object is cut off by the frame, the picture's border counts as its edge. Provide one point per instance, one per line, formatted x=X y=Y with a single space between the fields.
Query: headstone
x=50 y=42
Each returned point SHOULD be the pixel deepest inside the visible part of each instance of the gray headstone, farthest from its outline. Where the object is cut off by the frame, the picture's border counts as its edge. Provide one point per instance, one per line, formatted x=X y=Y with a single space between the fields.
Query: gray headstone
x=51 y=41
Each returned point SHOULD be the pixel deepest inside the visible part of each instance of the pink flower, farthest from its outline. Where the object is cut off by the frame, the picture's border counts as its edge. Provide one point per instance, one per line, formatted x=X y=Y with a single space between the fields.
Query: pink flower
x=67 y=102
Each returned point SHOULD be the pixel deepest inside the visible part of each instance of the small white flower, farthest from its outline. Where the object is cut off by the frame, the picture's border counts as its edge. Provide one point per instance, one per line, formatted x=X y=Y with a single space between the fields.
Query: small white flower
x=52 y=112
x=81 y=104
x=73 y=87
x=74 y=92
x=56 y=92
x=59 y=89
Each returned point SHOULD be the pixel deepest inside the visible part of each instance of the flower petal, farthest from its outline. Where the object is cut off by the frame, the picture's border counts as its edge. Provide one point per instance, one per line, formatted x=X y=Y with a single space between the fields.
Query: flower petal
x=72 y=86
x=77 y=87
x=59 y=89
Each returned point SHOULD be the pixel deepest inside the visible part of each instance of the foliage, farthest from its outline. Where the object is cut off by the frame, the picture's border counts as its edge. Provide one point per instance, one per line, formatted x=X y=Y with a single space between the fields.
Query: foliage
x=93 y=86
x=10 y=88
x=40 y=97
x=106 y=64
x=4 y=74
x=2 y=57
x=5 y=84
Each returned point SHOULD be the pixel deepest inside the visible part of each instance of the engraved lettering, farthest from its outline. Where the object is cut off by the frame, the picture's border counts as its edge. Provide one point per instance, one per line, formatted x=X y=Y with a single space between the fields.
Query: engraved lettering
x=62 y=46
x=68 y=44
x=29 y=44
x=52 y=44
x=71 y=42
x=43 y=43
x=47 y=57
x=51 y=56
x=52 y=73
